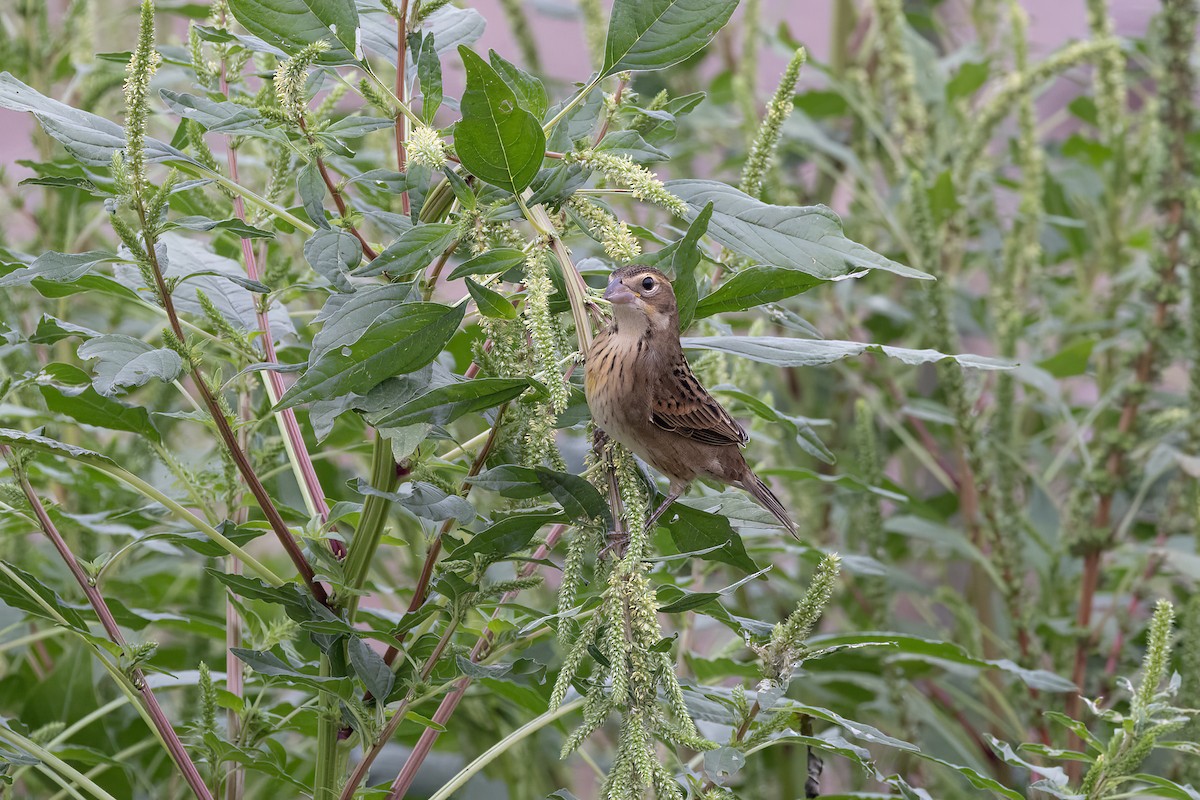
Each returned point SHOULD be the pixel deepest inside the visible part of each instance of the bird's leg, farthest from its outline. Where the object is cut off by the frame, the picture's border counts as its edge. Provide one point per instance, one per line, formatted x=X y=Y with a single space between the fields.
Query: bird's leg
x=673 y=495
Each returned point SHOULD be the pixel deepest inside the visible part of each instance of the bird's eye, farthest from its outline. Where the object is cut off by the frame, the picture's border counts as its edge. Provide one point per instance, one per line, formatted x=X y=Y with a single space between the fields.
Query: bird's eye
x=647 y=283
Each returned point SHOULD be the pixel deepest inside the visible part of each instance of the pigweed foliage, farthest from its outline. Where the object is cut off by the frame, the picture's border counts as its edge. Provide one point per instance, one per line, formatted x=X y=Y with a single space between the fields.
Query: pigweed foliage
x=299 y=487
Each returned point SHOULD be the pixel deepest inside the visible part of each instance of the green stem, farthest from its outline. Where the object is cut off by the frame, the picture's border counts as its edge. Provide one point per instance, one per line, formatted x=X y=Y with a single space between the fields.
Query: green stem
x=570 y=106
x=500 y=747
x=49 y=759
x=328 y=723
x=248 y=194
x=384 y=477
x=212 y=533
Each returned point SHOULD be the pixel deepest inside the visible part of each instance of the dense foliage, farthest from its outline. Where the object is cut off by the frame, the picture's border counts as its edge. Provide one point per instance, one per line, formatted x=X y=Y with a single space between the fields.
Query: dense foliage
x=301 y=496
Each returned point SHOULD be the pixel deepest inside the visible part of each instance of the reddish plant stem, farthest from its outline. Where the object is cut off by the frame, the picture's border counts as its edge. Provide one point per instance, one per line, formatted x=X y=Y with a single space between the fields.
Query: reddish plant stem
x=336 y=194
x=1152 y=564
x=163 y=725
x=450 y=703
x=291 y=428
x=401 y=90
x=608 y=117
x=240 y=459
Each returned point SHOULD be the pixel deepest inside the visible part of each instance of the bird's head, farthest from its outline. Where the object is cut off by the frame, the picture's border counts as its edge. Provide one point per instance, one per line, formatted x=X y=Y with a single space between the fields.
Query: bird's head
x=642 y=298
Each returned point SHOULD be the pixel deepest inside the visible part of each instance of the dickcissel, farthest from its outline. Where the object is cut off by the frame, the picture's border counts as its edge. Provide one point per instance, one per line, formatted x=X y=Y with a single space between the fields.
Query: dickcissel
x=643 y=394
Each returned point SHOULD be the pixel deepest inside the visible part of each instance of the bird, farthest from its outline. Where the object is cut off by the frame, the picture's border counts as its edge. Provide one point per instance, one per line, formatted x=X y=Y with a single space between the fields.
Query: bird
x=643 y=394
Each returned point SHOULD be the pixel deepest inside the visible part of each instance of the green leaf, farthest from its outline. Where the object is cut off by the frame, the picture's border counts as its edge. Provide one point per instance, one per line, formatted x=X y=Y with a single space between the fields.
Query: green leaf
x=506 y=536
x=123 y=362
x=497 y=140
x=13 y=596
x=491 y=303
x=754 y=287
x=530 y=93
x=630 y=143
x=292 y=25
x=443 y=405
x=88 y=407
x=573 y=492
x=90 y=138
x=222 y=116
x=1071 y=360
x=693 y=529
x=34 y=441
x=653 y=34
x=969 y=78
x=425 y=500
x=806 y=238
x=334 y=254
x=685 y=258
x=400 y=340
x=312 y=193
x=414 y=250
x=56 y=267
x=234 y=225
x=267 y=663
x=429 y=73
x=784 y=352
x=51 y=329
x=370 y=668
x=490 y=262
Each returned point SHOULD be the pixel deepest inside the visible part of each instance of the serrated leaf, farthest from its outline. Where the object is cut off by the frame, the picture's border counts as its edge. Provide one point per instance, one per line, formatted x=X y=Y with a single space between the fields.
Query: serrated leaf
x=398 y=341
x=784 y=352
x=443 y=405
x=35 y=441
x=754 y=287
x=123 y=362
x=574 y=493
x=370 y=668
x=653 y=34
x=497 y=141
x=333 y=254
x=490 y=262
x=490 y=302
x=806 y=238
x=414 y=250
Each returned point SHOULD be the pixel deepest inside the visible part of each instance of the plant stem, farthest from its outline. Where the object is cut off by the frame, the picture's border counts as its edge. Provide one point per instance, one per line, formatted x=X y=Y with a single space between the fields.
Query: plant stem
x=386 y=475
x=570 y=106
x=48 y=758
x=328 y=723
x=165 y=731
x=402 y=93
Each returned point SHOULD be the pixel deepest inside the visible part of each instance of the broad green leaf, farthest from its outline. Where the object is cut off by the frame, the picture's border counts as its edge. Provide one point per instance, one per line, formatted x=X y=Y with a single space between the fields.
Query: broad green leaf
x=784 y=352
x=333 y=254
x=270 y=665
x=312 y=193
x=443 y=405
x=506 y=536
x=754 y=287
x=370 y=668
x=414 y=250
x=56 y=267
x=807 y=238
x=347 y=317
x=51 y=329
x=14 y=596
x=574 y=493
x=424 y=55
x=292 y=25
x=530 y=93
x=449 y=26
x=497 y=141
x=90 y=138
x=653 y=34
x=399 y=341
x=630 y=143
x=234 y=225
x=490 y=262
x=123 y=362
x=44 y=444
x=684 y=259
x=490 y=302
x=693 y=529
x=931 y=651
x=88 y=407
x=425 y=500
x=222 y=116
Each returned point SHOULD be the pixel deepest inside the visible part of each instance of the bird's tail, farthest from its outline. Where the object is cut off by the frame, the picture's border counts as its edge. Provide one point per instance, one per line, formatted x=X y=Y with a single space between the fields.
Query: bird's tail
x=763 y=494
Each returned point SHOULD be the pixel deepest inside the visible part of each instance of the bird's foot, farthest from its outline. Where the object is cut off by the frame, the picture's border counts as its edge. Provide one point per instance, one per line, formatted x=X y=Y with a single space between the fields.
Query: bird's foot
x=618 y=543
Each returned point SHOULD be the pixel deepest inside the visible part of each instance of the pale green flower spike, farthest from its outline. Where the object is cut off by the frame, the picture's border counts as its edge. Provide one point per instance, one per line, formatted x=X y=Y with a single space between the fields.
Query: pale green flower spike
x=762 y=152
x=425 y=148
x=615 y=237
x=291 y=77
x=142 y=66
x=898 y=66
x=642 y=183
x=540 y=324
x=787 y=647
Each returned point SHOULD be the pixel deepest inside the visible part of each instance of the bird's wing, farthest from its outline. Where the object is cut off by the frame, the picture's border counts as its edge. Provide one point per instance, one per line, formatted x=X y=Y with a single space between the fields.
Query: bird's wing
x=681 y=405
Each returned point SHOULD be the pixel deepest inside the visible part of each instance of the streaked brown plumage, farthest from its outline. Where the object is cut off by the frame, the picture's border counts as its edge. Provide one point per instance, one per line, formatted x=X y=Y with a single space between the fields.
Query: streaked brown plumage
x=643 y=394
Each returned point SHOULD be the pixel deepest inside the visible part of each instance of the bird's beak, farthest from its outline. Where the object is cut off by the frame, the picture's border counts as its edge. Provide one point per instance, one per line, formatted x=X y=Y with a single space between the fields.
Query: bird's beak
x=618 y=293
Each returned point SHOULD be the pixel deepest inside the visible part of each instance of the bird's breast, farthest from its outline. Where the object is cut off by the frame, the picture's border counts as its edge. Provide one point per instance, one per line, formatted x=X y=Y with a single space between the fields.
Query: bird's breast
x=616 y=386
